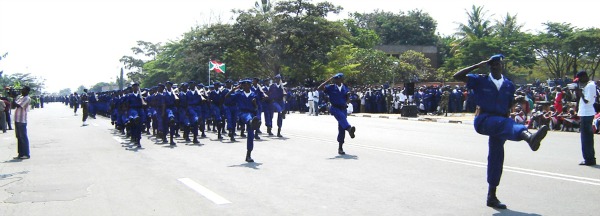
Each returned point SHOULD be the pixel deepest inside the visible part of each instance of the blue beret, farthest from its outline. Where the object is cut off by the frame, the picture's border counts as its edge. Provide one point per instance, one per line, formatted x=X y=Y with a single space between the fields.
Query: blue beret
x=191 y=82
x=496 y=58
x=135 y=84
x=169 y=83
x=216 y=83
x=247 y=81
x=183 y=84
x=229 y=81
x=278 y=76
x=211 y=86
x=338 y=75
x=161 y=85
x=200 y=85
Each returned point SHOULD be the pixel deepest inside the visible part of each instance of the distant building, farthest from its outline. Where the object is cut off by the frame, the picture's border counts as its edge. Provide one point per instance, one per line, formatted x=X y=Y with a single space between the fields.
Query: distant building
x=110 y=88
x=430 y=52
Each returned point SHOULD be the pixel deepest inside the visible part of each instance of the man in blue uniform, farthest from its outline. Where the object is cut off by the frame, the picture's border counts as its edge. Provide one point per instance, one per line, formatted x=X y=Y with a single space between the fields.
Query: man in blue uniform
x=231 y=110
x=182 y=114
x=247 y=103
x=170 y=112
x=204 y=109
x=494 y=96
x=276 y=93
x=93 y=104
x=339 y=96
x=258 y=90
x=216 y=99
x=84 y=106
x=194 y=110
x=137 y=117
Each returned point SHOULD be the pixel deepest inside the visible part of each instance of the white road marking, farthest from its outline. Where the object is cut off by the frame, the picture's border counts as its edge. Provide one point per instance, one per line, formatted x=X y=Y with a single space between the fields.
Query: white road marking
x=96 y=125
x=212 y=196
x=543 y=174
x=118 y=139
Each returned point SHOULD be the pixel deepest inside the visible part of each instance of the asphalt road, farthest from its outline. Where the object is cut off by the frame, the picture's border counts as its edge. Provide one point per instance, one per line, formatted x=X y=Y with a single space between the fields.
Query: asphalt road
x=392 y=167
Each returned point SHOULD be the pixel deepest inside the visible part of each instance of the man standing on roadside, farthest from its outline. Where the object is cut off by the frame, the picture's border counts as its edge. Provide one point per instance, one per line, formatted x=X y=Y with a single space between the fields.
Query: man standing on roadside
x=22 y=107
x=587 y=96
x=2 y=116
x=494 y=96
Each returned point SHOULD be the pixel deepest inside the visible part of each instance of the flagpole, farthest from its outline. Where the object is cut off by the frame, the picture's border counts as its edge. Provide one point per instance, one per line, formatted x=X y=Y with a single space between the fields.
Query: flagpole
x=208 y=72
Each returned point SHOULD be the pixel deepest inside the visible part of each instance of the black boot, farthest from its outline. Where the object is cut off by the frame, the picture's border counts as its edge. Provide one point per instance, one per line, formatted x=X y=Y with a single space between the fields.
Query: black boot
x=492 y=200
x=341 y=149
x=231 y=136
x=219 y=131
x=269 y=131
x=186 y=133
x=248 y=158
x=534 y=140
x=196 y=139
x=279 y=132
x=351 y=131
x=172 y=142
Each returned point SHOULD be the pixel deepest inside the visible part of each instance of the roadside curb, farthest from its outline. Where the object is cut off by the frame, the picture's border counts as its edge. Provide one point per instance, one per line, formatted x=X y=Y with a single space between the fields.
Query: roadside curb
x=422 y=119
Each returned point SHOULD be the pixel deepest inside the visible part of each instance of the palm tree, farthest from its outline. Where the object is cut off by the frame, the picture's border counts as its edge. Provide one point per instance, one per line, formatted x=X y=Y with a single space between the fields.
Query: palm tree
x=478 y=25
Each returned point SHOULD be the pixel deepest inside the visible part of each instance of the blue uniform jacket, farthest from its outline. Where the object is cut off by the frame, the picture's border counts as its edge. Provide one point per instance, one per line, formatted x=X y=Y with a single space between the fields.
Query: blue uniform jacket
x=337 y=97
x=488 y=97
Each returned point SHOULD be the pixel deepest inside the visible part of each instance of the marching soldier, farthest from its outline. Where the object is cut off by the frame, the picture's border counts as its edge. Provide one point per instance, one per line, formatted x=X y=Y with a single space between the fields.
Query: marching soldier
x=339 y=96
x=494 y=96
x=170 y=113
x=247 y=103
x=276 y=93
x=194 y=100
x=135 y=103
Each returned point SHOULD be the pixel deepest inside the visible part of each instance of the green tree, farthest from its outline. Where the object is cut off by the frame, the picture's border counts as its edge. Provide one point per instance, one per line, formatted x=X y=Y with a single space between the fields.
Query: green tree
x=64 y=92
x=414 y=27
x=80 y=89
x=551 y=46
x=478 y=24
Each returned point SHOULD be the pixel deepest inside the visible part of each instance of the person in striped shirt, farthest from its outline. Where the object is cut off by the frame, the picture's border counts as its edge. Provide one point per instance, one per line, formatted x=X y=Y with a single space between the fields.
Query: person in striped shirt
x=22 y=107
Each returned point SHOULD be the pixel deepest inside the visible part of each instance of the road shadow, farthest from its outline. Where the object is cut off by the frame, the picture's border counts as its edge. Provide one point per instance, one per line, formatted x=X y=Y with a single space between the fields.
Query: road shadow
x=170 y=146
x=13 y=160
x=252 y=165
x=346 y=157
x=194 y=144
x=593 y=166
x=508 y=212
x=134 y=149
x=3 y=176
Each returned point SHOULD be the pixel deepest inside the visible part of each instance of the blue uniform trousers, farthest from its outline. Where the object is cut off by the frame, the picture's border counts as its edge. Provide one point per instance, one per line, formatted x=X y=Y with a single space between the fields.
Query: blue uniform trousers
x=167 y=127
x=499 y=129
x=267 y=110
x=231 y=114
x=216 y=112
x=137 y=117
x=194 y=113
x=113 y=115
x=92 y=107
x=279 y=107
x=182 y=117
x=246 y=118
x=341 y=117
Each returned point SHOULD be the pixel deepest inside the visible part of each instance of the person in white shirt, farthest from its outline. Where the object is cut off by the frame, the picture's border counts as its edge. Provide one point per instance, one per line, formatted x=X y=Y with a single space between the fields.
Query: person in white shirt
x=311 y=104
x=587 y=97
x=22 y=107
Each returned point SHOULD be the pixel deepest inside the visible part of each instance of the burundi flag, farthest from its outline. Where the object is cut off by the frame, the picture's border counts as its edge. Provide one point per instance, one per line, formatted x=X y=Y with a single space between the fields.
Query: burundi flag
x=216 y=66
